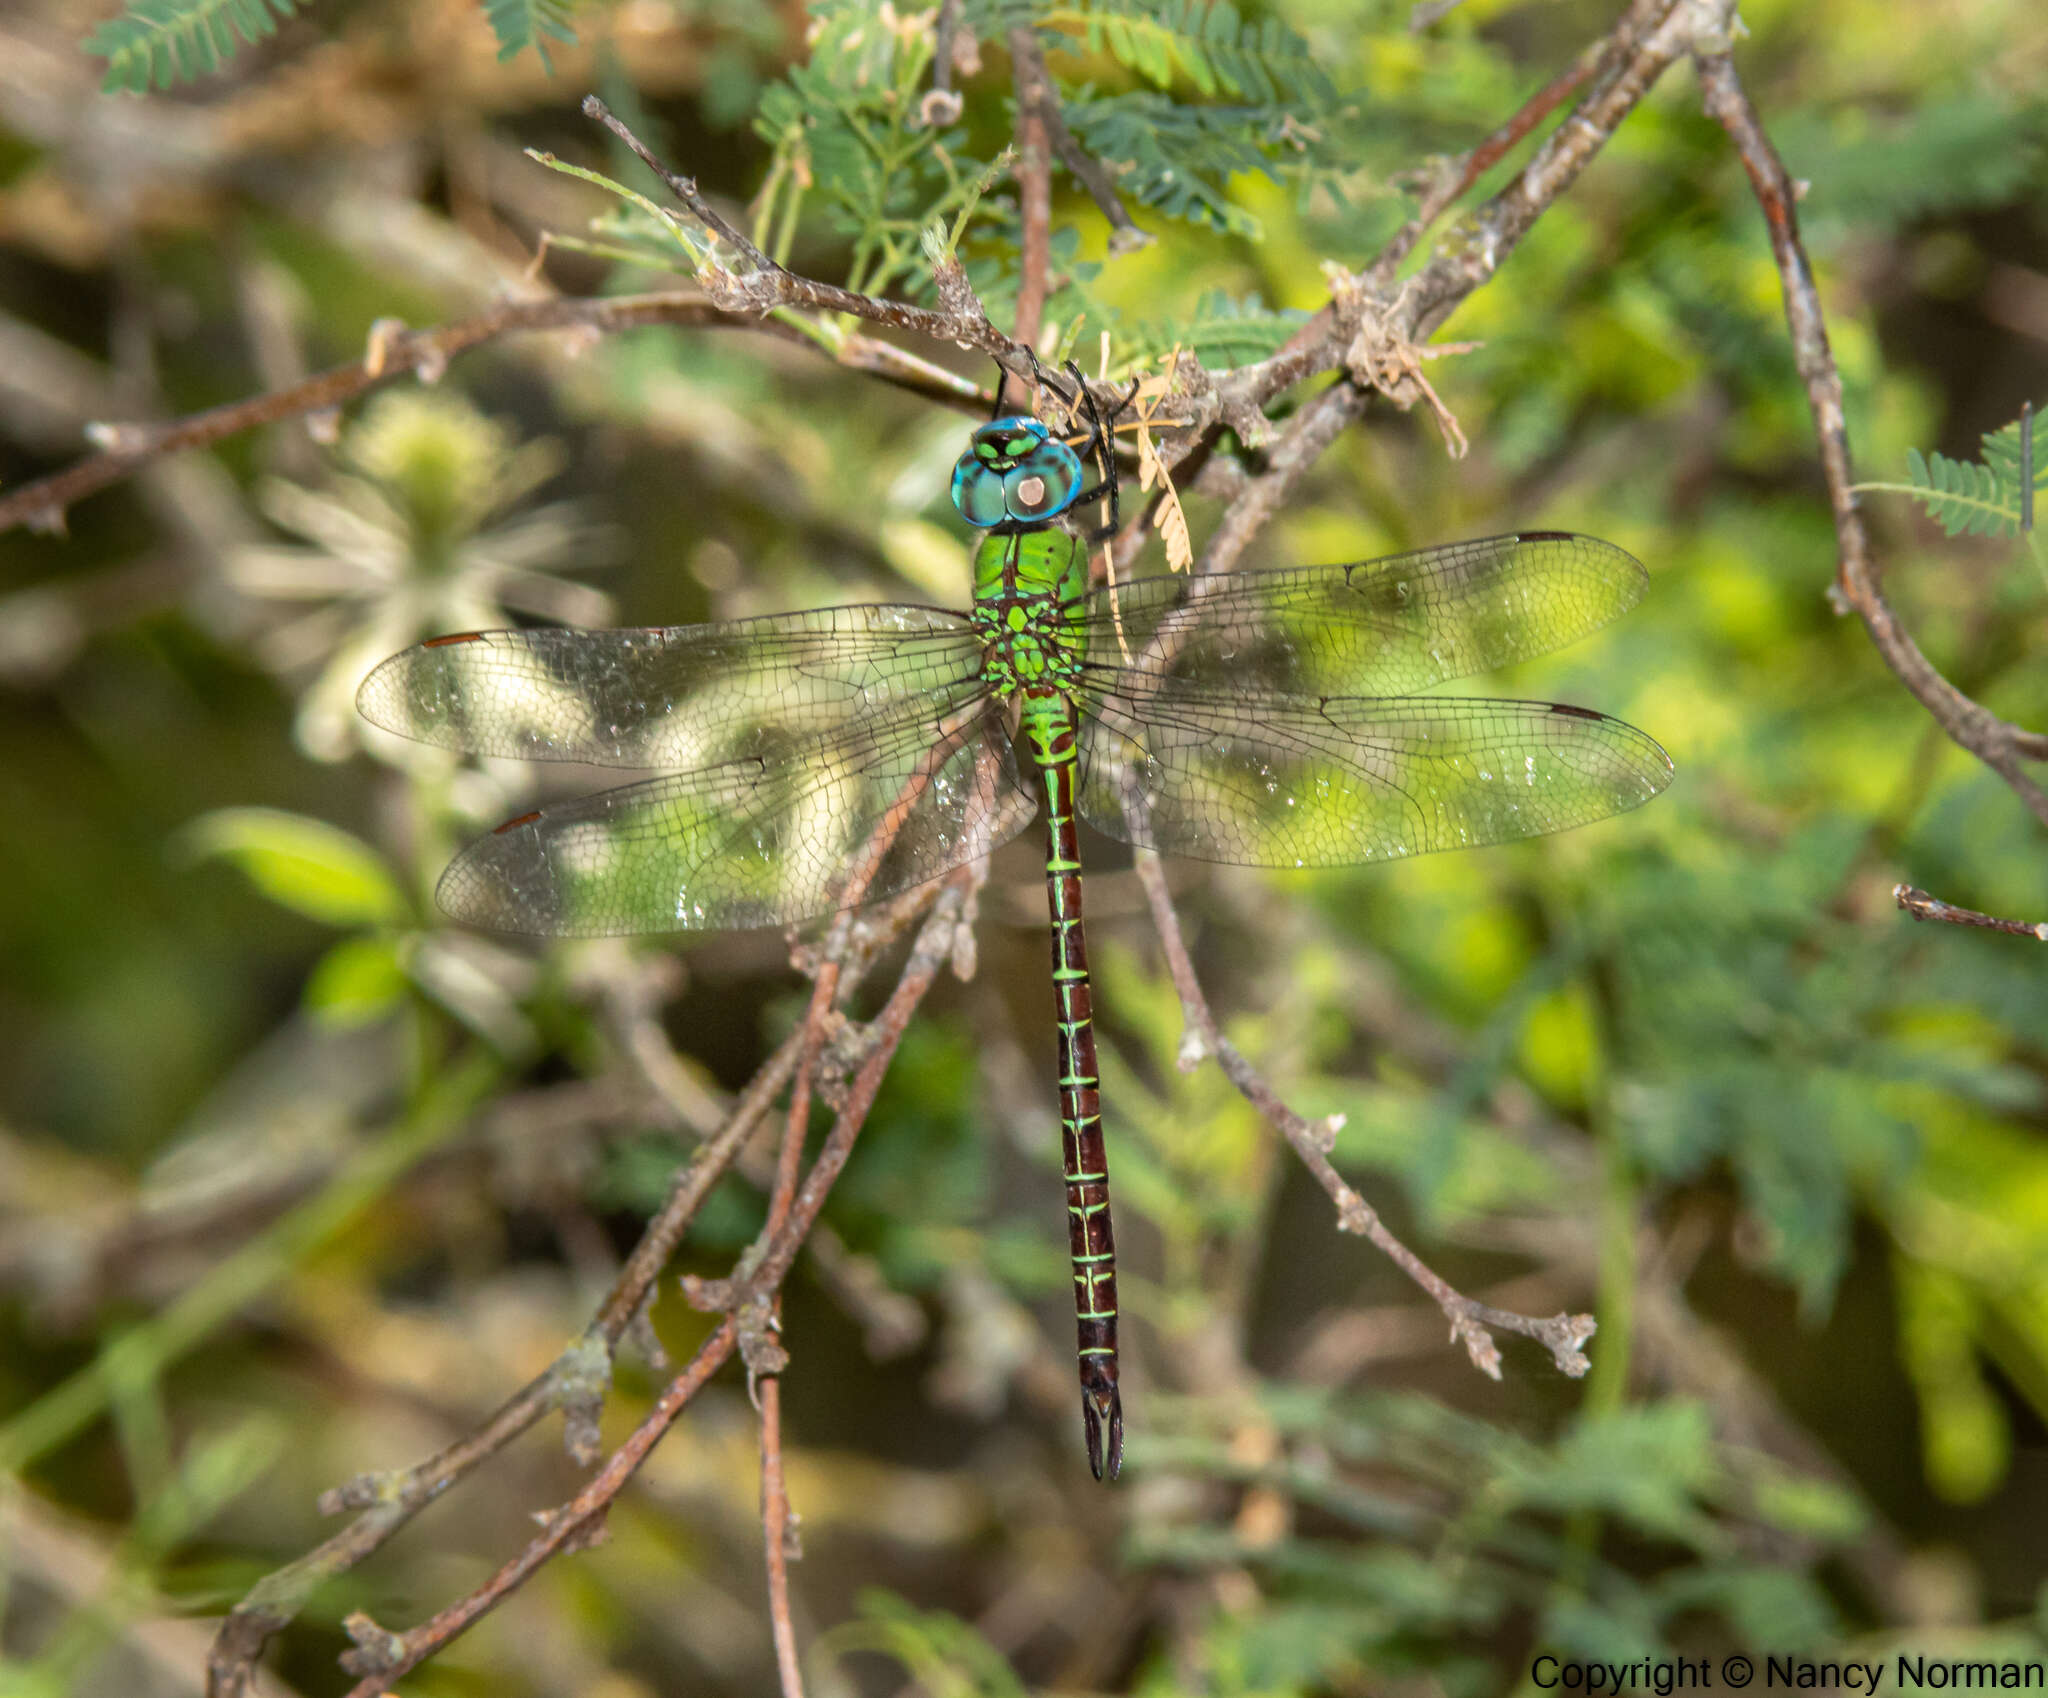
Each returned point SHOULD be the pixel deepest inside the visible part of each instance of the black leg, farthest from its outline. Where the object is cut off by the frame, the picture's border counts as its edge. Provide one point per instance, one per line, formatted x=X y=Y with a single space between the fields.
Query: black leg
x=1098 y=444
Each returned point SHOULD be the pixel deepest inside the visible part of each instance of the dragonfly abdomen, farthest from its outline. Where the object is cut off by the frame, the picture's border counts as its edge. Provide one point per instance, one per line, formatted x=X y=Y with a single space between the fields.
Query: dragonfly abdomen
x=1049 y=724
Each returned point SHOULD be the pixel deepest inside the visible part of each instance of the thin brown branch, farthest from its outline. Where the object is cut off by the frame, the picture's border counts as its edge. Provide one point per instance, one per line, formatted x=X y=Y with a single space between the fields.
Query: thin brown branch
x=1627 y=61
x=41 y=505
x=765 y=285
x=931 y=952
x=575 y=1383
x=1311 y=431
x=777 y=1522
x=1564 y=1336
x=683 y=188
x=1028 y=66
x=1924 y=907
x=942 y=105
x=383 y=1658
x=394 y=354
x=779 y=1533
x=1858 y=582
x=1460 y=175
x=1034 y=185
x=1651 y=35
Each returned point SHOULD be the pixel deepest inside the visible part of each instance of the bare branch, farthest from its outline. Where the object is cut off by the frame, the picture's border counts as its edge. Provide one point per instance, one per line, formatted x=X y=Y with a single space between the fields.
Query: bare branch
x=1034 y=186
x=1564 y=1336
x=1033 y=80
x=399 y=353
x=1924 y=907
x=384 y=1658
x=1858 y=582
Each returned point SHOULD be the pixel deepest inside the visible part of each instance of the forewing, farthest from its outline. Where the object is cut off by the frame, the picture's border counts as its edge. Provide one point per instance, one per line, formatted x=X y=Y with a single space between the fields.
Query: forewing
x=1354 y=779
x=765 y=840
x=676 y=696
x=1369 y=628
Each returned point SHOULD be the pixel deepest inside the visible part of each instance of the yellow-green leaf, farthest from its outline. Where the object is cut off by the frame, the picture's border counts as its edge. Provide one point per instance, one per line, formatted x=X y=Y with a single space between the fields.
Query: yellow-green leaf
x=307 y=865
x=359 y=980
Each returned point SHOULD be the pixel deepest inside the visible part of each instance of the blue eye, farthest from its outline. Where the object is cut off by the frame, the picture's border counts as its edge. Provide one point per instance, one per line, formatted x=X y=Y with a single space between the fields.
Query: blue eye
x=978 y=493
x=1039 y=475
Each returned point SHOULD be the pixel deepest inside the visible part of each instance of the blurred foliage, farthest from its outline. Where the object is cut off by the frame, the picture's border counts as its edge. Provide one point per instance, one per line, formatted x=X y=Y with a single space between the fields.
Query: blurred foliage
x=297 y=1182
x=166 y=42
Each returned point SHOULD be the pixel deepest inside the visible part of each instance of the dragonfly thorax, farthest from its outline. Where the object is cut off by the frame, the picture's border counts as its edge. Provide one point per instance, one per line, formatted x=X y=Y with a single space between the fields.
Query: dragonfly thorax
x=1015 y=473
x=1025 y=586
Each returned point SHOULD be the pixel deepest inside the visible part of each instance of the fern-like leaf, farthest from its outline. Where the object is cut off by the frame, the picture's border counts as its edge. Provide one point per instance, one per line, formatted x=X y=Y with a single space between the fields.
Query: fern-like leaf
x=1176 y=159
x=1221 y=332
x=519 y=24
x=163 y=42
x=1964 y=498
x=1204 y=41
x=2002 y=455
x=1975 y=149
x=1978 y=498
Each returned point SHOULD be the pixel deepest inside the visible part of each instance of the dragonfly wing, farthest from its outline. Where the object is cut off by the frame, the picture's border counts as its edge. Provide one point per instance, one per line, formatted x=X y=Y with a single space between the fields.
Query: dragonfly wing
x=1352 y=779
x=686 y=696
x=755 y=841
x=1374 y=627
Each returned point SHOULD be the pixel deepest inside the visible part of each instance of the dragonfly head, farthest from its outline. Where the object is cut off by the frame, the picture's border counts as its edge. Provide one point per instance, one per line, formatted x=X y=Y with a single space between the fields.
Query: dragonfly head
x=1015 y=472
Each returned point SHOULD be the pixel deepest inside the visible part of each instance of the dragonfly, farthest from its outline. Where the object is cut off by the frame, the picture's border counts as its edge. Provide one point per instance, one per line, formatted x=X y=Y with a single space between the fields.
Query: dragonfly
x=805 y=763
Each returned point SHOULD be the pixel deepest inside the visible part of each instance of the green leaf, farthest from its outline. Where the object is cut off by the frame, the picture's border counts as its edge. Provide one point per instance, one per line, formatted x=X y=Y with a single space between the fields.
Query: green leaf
x=1204 y=42
x=1808 y=1506
x=307 y=865
x=941 y=1652
x=1969 y=498
x=1646 y=1463
x=357 y=982
x=1965 y=1436
x=520 y=24
x=171 y=41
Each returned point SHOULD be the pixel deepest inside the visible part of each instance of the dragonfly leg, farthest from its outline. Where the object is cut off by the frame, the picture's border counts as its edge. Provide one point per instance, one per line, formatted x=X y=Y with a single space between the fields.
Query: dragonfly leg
x=1098 y=443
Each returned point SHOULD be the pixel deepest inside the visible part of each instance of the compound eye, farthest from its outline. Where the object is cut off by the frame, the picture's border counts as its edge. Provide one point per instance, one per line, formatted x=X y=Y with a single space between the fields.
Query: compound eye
x=978 y=493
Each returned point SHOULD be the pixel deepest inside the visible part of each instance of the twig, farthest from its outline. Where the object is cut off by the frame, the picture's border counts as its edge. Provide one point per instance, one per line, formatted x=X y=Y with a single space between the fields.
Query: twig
x=777 y=1530
x=931 y=952
x=1034 y=186
x=574 y=1382
x=1649 y=35
x=1489 y=153
x=683 y=188
x=1027 y=60
x=383 y=1658
x=1564 y=1336
x=767 y=285
x=941 y=104
x=41 y=505
x=1924 y=907
x=779 y=1535
x=1858 y=582
x=1652 y=34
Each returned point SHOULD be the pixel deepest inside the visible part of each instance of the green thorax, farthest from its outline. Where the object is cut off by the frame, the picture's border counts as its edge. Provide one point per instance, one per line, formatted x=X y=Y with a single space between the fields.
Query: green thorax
x=1027 y=585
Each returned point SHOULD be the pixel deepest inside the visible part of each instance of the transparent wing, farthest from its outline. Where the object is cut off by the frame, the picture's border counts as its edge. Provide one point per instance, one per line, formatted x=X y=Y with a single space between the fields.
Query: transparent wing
x=678 y=696
x=1375 y=627
x=754 y=842
x=1350 y=779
